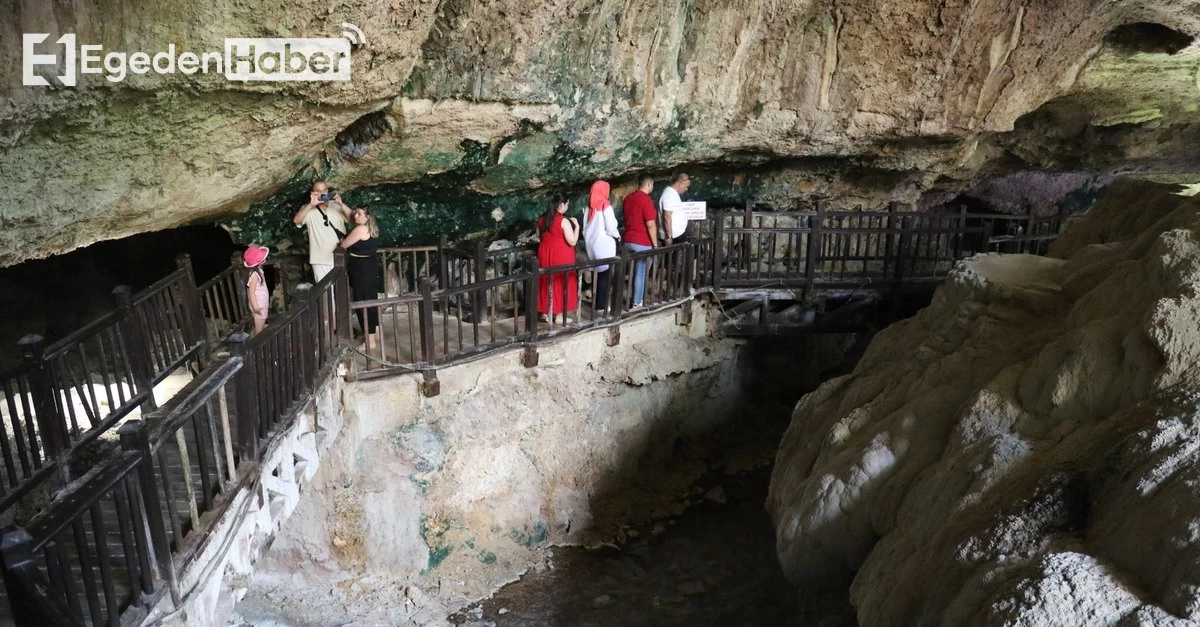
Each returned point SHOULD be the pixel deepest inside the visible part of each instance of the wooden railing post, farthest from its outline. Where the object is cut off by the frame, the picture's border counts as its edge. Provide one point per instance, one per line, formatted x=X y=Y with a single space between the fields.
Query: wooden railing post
x=618 y=277
x=137 y=344
x=16 y=557
x=718 y=246
x=193 y=309
x=341 y=298
x=245 y=392
x=430 y=386
x=529 y=358
x=134 y=436
x=616 y=294
x=308 y=346
x=240 y=276
x=52 y=426
x=28 y=591
x=815 y=241
x=689 y=268
x=443 y=262
x=747 y=223
x=428 y=347
x=686 y=314
x=889 y=242
x=477 y=300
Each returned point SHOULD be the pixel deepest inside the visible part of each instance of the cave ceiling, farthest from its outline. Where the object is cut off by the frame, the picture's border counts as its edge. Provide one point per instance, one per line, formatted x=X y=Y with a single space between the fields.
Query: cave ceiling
x=503 y=97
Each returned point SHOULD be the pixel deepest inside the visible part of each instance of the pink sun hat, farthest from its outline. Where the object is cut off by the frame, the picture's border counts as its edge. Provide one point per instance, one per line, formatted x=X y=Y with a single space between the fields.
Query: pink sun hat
x=255 y=255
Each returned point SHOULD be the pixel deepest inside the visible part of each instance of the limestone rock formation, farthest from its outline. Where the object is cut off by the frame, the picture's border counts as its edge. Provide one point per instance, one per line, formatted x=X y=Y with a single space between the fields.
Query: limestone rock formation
x=1022 y=452
x=458 y=494
x=511 y=95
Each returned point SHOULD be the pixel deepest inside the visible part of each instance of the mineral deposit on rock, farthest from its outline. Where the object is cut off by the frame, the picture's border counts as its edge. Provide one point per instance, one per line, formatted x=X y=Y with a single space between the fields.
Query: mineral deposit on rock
x=1022 y=452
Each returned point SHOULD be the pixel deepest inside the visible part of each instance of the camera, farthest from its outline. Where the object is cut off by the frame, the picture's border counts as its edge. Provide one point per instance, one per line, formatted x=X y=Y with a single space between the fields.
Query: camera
x=328 y=196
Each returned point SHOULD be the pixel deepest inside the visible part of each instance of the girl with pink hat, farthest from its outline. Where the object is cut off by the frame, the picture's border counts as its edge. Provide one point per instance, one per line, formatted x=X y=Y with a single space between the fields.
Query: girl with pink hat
x=256 y=286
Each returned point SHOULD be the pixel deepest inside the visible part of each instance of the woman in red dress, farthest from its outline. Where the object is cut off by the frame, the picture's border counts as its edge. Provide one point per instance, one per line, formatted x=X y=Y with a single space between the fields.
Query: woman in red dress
x=556 y=247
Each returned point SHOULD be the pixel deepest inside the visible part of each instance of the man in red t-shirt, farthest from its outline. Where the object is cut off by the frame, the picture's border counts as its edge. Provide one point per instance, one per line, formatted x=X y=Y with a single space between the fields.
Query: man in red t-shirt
x=641 y=231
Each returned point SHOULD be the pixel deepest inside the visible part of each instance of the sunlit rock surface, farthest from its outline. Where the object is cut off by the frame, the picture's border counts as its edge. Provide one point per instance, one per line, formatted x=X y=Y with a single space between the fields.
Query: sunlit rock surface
x=1022 y=452
x=467 y=100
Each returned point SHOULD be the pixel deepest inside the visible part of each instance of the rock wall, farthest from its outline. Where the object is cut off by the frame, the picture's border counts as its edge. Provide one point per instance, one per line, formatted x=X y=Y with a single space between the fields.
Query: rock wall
x=507 y=96
x=1023 y=451
x=423 y=504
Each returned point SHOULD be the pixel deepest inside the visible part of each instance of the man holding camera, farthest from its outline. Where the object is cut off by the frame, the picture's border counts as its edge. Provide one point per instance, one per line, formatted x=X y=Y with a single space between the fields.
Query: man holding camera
x=325 y=217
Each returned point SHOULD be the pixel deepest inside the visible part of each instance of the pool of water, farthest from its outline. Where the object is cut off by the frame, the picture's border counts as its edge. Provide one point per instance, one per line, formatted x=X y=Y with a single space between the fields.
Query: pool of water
x=712 y=565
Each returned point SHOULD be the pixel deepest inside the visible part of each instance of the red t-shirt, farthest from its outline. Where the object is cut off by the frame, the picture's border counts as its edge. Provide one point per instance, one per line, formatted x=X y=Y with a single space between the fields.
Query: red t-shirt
x=638 y=209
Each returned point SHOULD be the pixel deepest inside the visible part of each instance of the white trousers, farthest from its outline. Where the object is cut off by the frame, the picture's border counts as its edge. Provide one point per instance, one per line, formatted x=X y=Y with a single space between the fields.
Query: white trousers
x=319 y=271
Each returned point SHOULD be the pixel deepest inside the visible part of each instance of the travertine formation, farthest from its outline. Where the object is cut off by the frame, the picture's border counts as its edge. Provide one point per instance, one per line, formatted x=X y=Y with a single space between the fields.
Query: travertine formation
x=513 y=95
x=1022 y=452
x=425 y=503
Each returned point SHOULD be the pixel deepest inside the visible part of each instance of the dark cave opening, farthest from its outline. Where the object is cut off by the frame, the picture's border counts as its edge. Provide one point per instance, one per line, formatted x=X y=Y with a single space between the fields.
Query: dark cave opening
x=54 y=297
x=1147 y=37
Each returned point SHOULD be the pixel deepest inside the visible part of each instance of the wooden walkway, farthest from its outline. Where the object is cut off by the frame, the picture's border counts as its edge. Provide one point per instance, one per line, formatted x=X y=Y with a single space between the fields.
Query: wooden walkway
x=92 y=547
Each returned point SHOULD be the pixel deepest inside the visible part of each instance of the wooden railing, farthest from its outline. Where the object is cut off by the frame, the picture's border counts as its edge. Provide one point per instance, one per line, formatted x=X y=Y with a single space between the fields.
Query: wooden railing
x=419 y=332
x=824 y=248
x=112 y=548
x=106 y=552
x=476 y=300
x=169 y=314
x=224 y=296
x=71 y=392
x=282 y=362
x=52 y=568
x=224 y=301
x=404 y=267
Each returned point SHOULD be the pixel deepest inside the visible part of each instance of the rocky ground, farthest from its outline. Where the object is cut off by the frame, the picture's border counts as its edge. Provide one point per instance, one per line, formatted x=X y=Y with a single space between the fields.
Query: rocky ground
x=1023 y=451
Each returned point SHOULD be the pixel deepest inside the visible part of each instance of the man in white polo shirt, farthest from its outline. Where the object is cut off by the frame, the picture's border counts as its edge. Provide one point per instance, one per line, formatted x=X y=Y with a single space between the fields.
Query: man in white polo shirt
x=674 y=219
x=325 y=218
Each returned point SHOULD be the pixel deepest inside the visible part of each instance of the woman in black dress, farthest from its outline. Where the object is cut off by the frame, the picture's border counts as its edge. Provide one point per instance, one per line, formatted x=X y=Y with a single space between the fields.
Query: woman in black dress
x=362 y=267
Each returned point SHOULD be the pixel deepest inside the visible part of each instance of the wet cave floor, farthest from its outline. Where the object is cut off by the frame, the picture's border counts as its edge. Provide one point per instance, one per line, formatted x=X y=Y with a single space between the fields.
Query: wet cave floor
x=714 y=564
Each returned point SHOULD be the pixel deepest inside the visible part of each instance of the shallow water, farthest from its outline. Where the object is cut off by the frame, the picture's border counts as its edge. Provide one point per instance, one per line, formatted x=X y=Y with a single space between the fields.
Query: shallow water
x=713 y=565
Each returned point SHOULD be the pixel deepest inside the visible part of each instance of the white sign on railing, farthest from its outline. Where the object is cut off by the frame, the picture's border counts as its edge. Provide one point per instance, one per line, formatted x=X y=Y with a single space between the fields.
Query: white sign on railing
x=695 y=210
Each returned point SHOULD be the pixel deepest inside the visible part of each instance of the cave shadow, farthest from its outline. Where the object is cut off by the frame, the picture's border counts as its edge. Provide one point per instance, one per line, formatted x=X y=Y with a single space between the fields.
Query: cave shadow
x=715 y=562
x=58 y=295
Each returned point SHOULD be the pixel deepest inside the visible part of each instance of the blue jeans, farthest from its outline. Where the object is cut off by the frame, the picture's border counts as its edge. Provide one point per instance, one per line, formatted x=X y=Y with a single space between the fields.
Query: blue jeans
x=639 y=273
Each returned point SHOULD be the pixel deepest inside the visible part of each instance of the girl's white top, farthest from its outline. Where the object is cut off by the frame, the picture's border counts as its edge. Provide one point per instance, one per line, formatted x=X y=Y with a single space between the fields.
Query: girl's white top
x=600 y=236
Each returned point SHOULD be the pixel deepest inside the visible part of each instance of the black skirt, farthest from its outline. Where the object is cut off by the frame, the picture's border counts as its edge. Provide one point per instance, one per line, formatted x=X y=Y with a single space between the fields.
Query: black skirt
x=364 y=285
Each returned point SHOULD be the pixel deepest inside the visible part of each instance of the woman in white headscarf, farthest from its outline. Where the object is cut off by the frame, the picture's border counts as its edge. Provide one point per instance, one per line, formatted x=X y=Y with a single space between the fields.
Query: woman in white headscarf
x=600 y=236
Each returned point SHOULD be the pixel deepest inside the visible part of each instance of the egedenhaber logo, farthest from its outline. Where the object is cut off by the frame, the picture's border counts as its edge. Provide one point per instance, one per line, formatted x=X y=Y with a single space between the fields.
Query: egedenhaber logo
x=243 y=59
